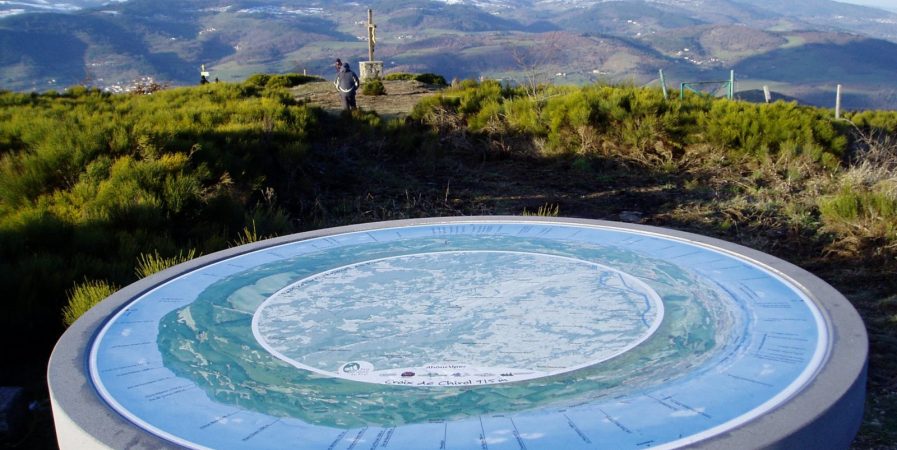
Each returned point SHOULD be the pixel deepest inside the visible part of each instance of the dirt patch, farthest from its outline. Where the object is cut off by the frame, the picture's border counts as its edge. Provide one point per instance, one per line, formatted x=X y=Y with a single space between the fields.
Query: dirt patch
x=400 y=98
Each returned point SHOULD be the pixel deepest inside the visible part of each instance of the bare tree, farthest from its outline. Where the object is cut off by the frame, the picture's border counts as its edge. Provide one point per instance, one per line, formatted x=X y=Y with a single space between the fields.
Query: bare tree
x=533 y=59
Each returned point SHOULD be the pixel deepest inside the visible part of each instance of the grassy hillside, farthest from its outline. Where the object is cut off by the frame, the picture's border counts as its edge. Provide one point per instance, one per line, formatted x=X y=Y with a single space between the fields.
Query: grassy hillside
x=93 y=186
x=860 y=57
x=626 y=18
x=441 y=16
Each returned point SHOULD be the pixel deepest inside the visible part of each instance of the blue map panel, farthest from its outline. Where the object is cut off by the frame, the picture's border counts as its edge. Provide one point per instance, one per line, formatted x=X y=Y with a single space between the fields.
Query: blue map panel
x=481 y=335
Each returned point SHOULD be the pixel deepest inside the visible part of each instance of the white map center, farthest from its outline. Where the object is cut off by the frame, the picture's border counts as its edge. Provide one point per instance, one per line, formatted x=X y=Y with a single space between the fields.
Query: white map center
x=457 y=318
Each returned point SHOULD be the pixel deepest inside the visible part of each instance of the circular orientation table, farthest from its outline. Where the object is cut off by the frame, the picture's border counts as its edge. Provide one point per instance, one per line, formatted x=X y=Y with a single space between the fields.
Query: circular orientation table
x=467 y=333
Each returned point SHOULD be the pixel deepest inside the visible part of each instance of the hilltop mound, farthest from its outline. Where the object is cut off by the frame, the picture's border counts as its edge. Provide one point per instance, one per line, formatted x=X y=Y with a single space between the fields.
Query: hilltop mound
x=400 y=98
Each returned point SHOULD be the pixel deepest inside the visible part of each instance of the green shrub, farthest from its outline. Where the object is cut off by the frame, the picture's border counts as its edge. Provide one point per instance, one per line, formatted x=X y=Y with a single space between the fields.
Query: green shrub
x=546 y=210
x=522 y=114
x=83 y=297
x=284 y=80
x=431 y=78
x=487 y=117
x=247 y=236
x=373 y=87
x=399 y=76
x=288 y=80
x=867 y=213
x=763 y=129
x=429 y=108
x=426 y=78
x=877 y=120
x=473 y=99
x=259 y=79
x=467 y=84
x=150 y=263
x=273 y=219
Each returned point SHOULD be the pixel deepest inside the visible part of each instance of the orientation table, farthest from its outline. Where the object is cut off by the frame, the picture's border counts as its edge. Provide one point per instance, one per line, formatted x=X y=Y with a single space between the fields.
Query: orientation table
x=467 y=333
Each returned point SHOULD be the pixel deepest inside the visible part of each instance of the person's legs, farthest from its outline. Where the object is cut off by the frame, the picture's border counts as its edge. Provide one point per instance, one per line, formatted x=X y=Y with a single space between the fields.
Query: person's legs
x=344 y=96
x=352 y=104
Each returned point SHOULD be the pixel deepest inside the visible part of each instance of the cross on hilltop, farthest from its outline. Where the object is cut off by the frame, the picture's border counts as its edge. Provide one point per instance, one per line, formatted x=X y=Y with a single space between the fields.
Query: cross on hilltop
x=371 y=69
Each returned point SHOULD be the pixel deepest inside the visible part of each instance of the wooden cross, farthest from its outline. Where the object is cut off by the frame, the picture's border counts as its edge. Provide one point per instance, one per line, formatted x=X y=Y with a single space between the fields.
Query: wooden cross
x=372 y=35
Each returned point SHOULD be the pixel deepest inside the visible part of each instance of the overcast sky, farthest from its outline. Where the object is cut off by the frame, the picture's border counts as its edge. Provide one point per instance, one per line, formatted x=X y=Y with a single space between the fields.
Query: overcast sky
x=886 y=4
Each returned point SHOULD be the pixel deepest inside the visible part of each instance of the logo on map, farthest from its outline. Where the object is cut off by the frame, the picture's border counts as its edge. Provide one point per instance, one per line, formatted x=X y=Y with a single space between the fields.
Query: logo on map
x=356 y=368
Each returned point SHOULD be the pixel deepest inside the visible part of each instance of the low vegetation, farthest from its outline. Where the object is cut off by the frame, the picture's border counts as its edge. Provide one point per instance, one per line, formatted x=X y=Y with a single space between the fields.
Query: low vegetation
x=781 y=165
x=373 y=87
x=150 y=263
x=426 y=78
x=93 y=185
x=90 y=184
x=84 y=296
x=284 y=80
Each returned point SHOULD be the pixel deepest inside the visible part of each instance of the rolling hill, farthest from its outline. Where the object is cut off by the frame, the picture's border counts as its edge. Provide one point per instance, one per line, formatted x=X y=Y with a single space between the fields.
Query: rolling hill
x=622 y=18
x=801 y=48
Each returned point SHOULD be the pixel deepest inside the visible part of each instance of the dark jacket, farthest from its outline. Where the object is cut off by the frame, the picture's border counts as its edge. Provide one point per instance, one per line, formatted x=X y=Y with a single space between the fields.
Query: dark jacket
x=346 y=81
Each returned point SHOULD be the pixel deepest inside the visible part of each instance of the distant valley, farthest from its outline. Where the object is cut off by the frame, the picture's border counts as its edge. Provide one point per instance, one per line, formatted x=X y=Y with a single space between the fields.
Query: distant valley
x=799 y=48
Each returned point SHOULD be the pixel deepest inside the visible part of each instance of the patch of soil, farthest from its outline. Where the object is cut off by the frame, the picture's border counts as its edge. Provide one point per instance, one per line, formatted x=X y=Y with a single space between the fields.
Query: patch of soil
x=400 y=98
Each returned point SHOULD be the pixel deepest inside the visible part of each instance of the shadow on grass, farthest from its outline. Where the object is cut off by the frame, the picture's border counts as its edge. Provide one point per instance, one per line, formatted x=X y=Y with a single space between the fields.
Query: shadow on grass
x=360 y=168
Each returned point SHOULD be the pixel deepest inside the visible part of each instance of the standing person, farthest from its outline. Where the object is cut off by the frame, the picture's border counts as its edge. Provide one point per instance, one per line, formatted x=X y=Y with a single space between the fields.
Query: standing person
x=347 y=84
x=339 y=66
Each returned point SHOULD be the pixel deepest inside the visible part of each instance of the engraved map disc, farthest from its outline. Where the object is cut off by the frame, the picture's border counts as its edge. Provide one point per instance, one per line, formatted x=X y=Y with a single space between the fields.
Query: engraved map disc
x=469 y=333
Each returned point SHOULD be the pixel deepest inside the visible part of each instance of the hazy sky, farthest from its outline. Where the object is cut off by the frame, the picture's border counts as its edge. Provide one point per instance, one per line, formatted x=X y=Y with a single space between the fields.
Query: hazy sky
x=885 y=4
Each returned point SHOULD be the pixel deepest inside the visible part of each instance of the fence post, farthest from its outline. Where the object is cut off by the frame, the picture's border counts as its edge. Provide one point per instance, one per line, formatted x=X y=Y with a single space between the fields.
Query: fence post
x=663 y=85
x=731 y=84
x=838 y=103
